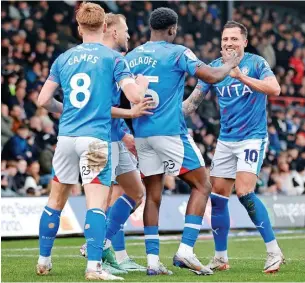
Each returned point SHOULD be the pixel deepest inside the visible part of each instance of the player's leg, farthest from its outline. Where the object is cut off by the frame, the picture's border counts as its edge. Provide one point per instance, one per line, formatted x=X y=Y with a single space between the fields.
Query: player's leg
x=222 y=172
x=132 y=186
x=184 y=159
x=220 y=221
x=129 y=179
x=152 y=170
x=95 y=167
x=118 y=240
x=65 y=172
x=250 y=158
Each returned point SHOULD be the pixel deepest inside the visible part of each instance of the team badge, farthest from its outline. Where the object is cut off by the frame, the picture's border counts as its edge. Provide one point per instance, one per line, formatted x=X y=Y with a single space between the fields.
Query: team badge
x=190 y=54
x=245 y=70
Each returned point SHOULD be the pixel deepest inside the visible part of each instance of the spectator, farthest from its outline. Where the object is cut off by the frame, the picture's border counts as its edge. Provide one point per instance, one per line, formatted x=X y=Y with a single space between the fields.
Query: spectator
x=21 y=175
x=297 y=63
x=30 y=105
x=8 y=184
x=46 y=156
x=17 y=114
x=6 y=125
x=17 y=147
x=33 y=179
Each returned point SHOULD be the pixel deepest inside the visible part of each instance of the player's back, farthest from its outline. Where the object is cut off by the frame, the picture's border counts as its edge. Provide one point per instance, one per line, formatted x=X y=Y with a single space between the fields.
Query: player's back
x=86 y=75
x=160 y=61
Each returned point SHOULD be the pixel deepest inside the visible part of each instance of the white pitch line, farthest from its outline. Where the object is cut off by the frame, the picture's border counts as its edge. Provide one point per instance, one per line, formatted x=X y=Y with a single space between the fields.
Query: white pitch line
x=162 y=242
x=144 y=257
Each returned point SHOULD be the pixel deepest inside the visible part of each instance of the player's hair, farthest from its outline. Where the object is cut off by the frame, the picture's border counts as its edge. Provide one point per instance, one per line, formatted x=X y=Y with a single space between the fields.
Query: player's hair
x=90 y=16
x=233 y=24
x=112 y=19
x=162 y=18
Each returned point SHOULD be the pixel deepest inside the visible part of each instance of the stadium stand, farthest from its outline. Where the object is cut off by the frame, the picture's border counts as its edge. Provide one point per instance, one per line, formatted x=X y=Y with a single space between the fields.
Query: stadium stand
x=35 y=33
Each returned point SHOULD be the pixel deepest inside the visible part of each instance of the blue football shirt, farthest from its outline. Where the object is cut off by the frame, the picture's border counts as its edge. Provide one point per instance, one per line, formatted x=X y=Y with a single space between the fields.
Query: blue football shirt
x=88 y=74
x=165 y=65
x=242 y=109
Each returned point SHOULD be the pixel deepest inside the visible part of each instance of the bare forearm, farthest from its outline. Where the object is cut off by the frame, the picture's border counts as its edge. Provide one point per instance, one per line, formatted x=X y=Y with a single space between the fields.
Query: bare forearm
x=213 y=75
x=121 y=113
x=53 y=106
x=191 y=104
x=263 y=86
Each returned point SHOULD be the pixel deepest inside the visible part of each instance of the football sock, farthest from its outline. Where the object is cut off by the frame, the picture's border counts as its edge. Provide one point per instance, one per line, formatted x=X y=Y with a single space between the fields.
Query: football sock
x=48 y=227
x=190 y=234
x=220 y=222
x=152 y=244
x=94 y=232
x=259 y=216
x=119 y=214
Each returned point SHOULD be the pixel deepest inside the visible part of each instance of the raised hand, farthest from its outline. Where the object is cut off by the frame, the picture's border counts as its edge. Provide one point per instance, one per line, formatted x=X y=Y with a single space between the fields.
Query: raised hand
x=230 y=58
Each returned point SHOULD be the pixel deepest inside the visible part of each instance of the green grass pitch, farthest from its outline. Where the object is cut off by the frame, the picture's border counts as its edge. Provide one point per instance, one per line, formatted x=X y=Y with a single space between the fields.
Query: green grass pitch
x=247 y=257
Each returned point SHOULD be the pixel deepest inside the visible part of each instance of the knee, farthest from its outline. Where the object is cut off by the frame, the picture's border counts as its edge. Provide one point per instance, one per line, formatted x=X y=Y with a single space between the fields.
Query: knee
x=154 y=199
x=205 y=188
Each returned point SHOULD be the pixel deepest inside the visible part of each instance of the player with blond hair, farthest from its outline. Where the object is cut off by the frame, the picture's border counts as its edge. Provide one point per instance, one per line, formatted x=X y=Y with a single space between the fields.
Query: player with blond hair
x=88 y=75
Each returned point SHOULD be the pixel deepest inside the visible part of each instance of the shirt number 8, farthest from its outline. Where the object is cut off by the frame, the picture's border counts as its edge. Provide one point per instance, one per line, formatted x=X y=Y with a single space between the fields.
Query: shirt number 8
x=76 y=89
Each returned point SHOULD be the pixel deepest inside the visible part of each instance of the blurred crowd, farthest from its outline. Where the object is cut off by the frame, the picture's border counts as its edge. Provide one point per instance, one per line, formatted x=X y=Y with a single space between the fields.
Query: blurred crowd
x=35 y=33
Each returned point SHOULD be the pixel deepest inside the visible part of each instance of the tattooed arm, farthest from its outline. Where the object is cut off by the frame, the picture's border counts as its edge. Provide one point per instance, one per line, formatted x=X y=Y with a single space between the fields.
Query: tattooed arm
x=191 y=104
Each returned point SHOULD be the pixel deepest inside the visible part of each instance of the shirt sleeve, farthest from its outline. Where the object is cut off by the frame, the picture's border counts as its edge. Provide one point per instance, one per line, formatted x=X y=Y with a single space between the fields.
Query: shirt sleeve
x=121 y=69
x=54 y=72
x=203 y=86
x=123 y=129
x=188 y=62
x=263 y=68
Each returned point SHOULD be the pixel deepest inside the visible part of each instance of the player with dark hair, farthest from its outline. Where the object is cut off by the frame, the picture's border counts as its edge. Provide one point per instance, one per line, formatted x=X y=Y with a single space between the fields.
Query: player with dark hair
x=242 y=142
x=162 y=140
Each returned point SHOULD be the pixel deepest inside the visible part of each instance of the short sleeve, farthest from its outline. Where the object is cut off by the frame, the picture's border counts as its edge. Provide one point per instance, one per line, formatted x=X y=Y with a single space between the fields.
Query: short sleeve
x=203 y=86
x=263 y=68
x=54 y=72
x=121 y=69
x=188 y=62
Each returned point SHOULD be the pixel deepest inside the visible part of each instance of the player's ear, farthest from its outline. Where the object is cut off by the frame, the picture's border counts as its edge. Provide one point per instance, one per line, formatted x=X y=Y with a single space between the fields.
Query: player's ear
x=171 y=31
x=245 y=42
x=80 y=31
x=104 y=27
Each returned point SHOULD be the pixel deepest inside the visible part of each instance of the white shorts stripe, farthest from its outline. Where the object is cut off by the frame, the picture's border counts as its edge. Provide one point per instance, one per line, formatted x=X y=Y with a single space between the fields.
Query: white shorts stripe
x=99 y=212
x=196 y=150
x=126 y=200
x=194 y=226
x=151 y=237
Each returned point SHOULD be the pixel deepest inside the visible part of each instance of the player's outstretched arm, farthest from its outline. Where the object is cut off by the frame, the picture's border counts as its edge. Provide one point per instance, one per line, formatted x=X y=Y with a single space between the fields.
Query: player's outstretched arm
x=268 y=85
x=213 y=75
x=191 y=104
x=138 y=110
x=46 y=99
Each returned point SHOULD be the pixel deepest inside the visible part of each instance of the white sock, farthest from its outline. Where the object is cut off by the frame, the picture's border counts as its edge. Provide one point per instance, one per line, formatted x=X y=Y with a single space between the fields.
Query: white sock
x=107 y=244
x=92 y=264
x=120 y=256
x=273 y=247
x=223 y=254
x=44 y=260
x=152 y=260
x=185 y=249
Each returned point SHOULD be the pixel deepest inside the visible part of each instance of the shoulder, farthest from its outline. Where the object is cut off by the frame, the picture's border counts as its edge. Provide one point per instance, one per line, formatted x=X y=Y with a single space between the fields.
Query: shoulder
x=254 y=57
x=217 y=62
